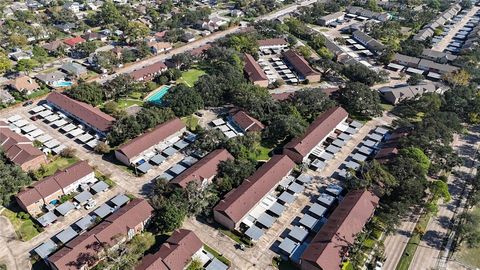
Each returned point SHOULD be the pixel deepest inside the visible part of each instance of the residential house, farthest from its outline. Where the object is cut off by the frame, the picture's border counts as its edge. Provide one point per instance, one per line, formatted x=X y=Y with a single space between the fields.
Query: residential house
x=246 y=123
x=53 y=46
x=330 y=18
x=19 y=149
x=73 y=7
x=73 y=42
x=367 y=14
x=176 y=253
x=20 y=55
x=91 y=36
x=405 y=60
x=429 y=65
x=369 y=42
x=24 y=84
x=148 y=73
x=273 y=43
x=396 y=94
x=159 y=47
x=86 y=114
x=236 y=13
x=74 y=69
x=50 y=189
x=66 y=27
x=52 y=78
x=132 y=152
x=254 y=72
x=6 y=97
x=439 y=57
x=84 y=251
x=199 y=51
x=188 y=37
x=300 y=148
x=237 y=204
x=159 y=36
x=330 y=244
x=301 y=66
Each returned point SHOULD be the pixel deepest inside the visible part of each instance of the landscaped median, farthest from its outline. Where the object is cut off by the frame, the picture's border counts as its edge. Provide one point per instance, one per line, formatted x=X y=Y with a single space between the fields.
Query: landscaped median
x=217 y=255
x=413 y=243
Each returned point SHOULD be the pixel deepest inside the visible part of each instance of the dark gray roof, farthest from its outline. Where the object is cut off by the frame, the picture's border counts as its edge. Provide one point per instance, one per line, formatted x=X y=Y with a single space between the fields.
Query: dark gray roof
x=166 y=176
x=254 y=233
x=344 y=136
x=83 y=197
x=317 y=163
x=288 y=246
x=177 y=169
x=47 y=219
x=46 y=248
x=286 y=197
x=352 y=165
x=332 y=149
x=351 y=131
x=144 y=167
x=365 y=150
x=120 y=200
x=298 y=233
x=85 y=222
x=334 y=189
x=181 y=144
x=277 y=208
x=65 y=208
x=304 y=178
x=103 y=211
x=308 y=221
x=189 y=161
x=359 y=157
x=215 y=264
x=266 y=220
x=170 y=151
x=157 y=159
x=375 y=137
x=296 y=188
x=326 y=199
x=317 y=209
x=369 y=143
x=99 y=187
x=66 y=235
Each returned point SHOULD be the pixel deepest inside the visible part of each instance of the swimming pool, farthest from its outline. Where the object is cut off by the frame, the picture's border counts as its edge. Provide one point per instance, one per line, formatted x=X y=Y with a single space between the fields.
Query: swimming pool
x=157 y=96
x=62 y=84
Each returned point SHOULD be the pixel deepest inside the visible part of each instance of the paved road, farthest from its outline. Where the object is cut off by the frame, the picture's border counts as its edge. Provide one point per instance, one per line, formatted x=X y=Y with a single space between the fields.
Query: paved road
x=428 y=252
x=453 y=31
x=7 y=234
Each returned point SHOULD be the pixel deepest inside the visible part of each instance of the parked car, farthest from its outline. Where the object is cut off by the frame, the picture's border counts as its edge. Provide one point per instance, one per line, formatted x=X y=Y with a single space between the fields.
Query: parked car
x=90 y=204
x=28 y=103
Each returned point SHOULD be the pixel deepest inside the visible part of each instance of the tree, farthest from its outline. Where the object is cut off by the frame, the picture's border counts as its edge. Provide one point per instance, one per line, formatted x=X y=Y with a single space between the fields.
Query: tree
x=417 y=155
x=457 y=78
x=195 y=264
x=183 y=100
x=109 y=13
x=304 y=51
x=91 y=93
x=120 y=86
x=170 y=216
x=467 y=230
x=231 y=174
x=17 y=40
x=415 y=79
x=5 y=63
x=136 y=30
x=360 y=73
x=86 y=48
x=26 y=65
x=411 y=47
x=68 y=152
x=12 y=178
x=102 y=148
x=311 y=102
x=373 y=175
x=359 y=99
x=284 y=127
x=209 y=140
x=182 y=60
x=243 y=42
x=39 y=54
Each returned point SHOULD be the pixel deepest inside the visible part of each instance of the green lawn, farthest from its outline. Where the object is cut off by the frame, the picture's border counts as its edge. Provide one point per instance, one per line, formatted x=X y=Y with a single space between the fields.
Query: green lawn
x=135 y=95
x=190 y=76
x=58 y=163
x=39 y=93
x=261 y=153
x=217 y=255
x=125 y=103
x=412 y=244
x=191 y=122
x=387 y=107
x=231 y=235
x=24 y=227
x=466 y=255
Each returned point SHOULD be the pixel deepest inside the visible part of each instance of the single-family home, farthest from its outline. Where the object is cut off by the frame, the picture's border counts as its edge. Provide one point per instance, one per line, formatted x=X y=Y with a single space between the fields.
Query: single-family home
x=72 y=7
x=74 y=69
x=24 y=84
x=330 y=18
x=396 y=94
x=244 y=122
x=53 y=46
x=6 y=97
x=73 y=42
x=51 y=78
x=159 y=47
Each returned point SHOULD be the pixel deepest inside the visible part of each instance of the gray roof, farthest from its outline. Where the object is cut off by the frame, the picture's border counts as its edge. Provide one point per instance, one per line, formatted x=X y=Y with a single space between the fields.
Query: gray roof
x=66 y=235
x=326 y=199
x=334 y=189
x=381 y=130
x=65 y=208
x=103 y=211
x=298 y=233
x=85 y=222
x=170 y=151
x=352 y=165
x=167 y=176
x=375 y=137
x=317 y=163
x=177 y=169
x=157 y=159
x=350 y=131
x=277 y=208
x=52 y=76
x=46 y=248
x=308 y=221
x=338 y=143
x=254 y=233
x=304 y=178
x=215 y=264
x=189 y=161
x=144 y=167
x=369 y=143
x=47 y=219
x=83 y=197
x=120 y=200
x=359 y=157
x=74 y=68
x=286 y=197
x=296 y=188
x=99 y=187
x=326 y=156
x=332 y=149
x=317 y=209
x=266 y=220
x=344 y=137
x=344 y=174
x=181 y=144
x=288 y=246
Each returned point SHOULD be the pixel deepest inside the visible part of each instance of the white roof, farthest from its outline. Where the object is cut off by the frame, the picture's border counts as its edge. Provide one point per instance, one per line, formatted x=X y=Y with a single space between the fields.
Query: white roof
x=21 y=123
x=68 y=127
x=14 y=118
x=52 y=118
x=85 y=137
x=45 y=113
x=52 y=143
x=76 y=132
x=44 y=138
x=92 y=143
x=218 y=122
x=36 y=133
x=29 y=128
x=60 y=123
x=38 y=109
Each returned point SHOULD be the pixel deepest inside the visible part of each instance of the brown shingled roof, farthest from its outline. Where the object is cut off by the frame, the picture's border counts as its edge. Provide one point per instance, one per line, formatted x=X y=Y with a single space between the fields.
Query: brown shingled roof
x=299 y=63
x=158 y=134
x=238 y=202
x=272 y=42
x=317 y=131
x=347 y=220
x=17 y=148
x=84 y=111
x=148 y=70
x=174 y=254
x=206 y=168
x=253 y=69
x=50 y=185
x=245 y=121
x=87 y=246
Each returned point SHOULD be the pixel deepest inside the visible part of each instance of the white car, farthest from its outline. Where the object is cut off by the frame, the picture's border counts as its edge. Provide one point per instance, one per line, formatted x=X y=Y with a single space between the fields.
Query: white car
x=90 y=205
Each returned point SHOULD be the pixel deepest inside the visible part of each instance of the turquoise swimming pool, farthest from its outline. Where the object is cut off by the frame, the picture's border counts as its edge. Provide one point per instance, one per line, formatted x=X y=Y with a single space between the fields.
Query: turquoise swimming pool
x=157 y=96
x=62 y=84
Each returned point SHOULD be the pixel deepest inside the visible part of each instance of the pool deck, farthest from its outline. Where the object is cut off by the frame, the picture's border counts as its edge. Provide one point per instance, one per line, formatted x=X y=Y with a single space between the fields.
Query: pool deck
x=155 y=91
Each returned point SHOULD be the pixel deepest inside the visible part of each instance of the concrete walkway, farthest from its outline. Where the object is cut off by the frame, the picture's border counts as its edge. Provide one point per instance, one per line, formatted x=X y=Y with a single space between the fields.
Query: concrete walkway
x=7 y=235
